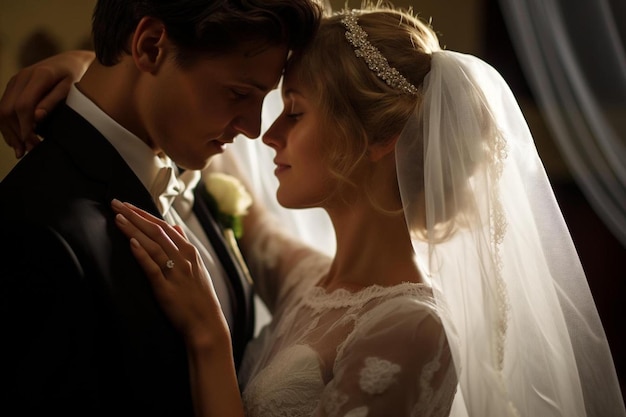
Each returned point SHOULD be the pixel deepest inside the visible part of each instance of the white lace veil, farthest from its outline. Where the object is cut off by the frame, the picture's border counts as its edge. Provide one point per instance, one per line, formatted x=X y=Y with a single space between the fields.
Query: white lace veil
x=524 y=331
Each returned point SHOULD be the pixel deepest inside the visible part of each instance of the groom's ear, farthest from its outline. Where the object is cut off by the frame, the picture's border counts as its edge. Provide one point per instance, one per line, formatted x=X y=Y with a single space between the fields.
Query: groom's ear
x=147 y=44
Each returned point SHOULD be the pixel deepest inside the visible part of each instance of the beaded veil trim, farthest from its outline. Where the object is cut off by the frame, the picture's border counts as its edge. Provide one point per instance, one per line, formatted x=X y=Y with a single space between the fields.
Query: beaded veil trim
x=372 y=56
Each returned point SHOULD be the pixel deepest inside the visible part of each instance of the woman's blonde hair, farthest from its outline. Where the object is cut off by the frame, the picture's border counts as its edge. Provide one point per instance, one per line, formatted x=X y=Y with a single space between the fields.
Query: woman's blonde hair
x=358 y=107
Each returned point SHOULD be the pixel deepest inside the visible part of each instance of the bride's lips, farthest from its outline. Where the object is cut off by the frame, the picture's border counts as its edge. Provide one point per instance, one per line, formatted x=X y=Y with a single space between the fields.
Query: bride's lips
x=280 y=167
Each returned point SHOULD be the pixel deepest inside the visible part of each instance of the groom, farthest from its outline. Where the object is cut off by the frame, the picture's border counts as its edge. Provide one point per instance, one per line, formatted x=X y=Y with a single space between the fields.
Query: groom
x=82 y=333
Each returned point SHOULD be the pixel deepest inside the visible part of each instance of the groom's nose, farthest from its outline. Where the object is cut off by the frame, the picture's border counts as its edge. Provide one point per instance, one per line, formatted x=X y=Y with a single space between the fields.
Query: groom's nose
x=248 y=122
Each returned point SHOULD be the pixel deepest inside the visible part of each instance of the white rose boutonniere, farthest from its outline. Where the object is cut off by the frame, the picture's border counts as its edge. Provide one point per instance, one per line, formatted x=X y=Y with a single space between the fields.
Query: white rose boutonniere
x=231 y=200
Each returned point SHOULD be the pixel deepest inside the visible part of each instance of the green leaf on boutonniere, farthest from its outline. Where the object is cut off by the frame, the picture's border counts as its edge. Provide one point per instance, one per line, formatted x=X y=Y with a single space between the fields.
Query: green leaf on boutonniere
x=231 y=222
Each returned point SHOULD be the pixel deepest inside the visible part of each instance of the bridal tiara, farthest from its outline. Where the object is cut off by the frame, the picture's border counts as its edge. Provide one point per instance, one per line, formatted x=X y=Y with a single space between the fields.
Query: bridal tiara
x=373 y=58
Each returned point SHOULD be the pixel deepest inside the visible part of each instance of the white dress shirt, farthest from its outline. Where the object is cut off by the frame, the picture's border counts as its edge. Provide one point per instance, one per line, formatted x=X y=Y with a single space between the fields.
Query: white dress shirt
x=149 y=168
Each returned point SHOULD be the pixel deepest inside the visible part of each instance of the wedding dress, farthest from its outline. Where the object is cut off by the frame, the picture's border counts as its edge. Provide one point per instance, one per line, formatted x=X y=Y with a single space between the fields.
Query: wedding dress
x=380 y=351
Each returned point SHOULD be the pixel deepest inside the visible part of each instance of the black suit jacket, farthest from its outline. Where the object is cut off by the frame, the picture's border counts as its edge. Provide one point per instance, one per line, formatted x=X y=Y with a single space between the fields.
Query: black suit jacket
x=81 y=331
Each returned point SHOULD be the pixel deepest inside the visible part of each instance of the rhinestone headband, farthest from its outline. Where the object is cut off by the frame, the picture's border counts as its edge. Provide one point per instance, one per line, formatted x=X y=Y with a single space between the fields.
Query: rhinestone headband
x=373 y=58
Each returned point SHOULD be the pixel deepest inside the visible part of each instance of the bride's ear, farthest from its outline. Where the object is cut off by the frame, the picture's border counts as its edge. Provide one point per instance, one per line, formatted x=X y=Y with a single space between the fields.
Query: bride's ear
x=148 y=44
x=377 y=151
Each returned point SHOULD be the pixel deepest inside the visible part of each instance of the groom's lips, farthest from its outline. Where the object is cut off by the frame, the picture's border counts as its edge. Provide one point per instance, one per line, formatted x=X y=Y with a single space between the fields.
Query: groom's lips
x=219 y=144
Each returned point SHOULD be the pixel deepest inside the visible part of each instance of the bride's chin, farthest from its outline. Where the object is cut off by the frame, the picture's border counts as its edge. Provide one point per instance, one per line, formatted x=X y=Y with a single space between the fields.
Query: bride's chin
x=285 y=202
x=289 y=203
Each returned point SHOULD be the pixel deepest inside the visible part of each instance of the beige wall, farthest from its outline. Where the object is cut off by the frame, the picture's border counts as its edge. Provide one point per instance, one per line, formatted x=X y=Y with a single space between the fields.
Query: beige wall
x=68 y=22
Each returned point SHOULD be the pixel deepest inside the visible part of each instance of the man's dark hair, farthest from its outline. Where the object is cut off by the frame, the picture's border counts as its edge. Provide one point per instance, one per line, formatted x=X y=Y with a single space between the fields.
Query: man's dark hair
x=204 y=26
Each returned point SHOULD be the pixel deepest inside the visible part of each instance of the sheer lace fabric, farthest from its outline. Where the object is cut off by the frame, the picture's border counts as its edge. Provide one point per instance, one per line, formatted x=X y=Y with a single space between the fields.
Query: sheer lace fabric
x=379 y=351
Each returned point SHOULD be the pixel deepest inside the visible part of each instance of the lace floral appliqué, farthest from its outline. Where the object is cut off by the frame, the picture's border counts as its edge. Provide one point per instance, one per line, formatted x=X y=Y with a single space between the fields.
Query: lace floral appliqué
x=377 y=375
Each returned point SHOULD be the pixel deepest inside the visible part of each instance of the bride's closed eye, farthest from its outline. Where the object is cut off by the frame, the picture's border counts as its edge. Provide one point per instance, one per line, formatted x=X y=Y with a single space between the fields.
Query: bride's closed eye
x=293 y=110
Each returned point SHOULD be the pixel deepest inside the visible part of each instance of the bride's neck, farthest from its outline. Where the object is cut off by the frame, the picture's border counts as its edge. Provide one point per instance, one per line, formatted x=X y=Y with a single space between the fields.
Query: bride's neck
x=372 y=249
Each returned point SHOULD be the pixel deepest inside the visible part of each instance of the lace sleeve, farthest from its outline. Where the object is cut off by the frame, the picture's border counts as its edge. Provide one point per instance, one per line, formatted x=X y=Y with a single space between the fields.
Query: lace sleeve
x=396 y=362
x=280 y=263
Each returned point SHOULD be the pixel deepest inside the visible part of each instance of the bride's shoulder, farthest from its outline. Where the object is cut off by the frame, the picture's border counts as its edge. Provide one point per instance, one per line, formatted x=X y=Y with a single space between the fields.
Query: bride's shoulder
x=407 y=302
x=407 y=315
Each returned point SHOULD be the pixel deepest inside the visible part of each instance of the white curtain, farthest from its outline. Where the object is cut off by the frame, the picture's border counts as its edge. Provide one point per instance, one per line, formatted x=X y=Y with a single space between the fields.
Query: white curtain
x=572 y=53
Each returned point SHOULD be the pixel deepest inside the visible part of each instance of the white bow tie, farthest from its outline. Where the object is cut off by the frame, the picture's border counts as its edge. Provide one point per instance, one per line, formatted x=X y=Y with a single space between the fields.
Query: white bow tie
x=170 y=190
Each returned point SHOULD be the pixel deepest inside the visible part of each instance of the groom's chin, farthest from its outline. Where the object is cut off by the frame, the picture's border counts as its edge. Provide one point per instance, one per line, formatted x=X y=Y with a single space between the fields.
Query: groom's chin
x=195 y=164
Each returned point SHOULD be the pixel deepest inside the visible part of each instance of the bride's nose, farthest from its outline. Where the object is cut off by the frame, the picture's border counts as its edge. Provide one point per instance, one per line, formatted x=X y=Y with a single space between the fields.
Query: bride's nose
x=274 y=135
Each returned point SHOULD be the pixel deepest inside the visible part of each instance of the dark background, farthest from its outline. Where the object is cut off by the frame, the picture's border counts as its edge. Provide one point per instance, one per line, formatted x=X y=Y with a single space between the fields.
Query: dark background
x=602 y=254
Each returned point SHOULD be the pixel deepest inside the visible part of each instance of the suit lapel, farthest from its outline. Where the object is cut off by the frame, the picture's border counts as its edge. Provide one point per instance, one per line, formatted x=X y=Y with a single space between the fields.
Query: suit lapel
x=240 y=289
